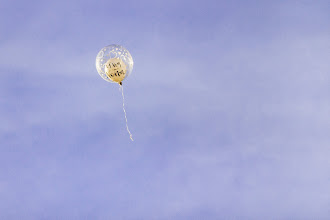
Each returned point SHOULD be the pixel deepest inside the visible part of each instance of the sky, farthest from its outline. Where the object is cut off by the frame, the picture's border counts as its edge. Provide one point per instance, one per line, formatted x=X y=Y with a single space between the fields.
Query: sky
x=228 y=104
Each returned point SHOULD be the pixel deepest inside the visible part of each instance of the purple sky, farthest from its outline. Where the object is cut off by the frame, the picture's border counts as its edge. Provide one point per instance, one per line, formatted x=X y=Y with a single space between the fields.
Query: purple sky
x=228 y=104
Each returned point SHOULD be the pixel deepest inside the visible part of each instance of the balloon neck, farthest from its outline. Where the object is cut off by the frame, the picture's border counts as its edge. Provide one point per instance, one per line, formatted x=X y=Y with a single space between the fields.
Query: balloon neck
x=120 y=83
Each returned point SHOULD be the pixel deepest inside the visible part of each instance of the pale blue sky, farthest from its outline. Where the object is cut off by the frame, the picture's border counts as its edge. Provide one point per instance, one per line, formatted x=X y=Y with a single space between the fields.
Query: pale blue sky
x=228 y=103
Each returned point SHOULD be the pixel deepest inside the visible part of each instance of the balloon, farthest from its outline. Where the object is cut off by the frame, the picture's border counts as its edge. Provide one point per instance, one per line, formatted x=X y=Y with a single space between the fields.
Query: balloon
x=114 y=63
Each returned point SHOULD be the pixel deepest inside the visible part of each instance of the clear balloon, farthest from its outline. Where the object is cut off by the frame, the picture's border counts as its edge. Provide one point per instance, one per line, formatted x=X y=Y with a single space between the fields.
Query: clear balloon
x=114 y=63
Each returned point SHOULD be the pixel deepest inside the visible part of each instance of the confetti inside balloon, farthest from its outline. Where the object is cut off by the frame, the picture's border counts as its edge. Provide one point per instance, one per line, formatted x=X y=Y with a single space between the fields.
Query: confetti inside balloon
x=114 y=64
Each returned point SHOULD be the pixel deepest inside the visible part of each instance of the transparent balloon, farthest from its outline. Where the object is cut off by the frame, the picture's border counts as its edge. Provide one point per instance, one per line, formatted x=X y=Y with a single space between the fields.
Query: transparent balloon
x=114 y=63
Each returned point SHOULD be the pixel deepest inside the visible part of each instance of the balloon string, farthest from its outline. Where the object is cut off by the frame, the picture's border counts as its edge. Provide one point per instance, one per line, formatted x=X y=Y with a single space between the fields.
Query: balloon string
x=122 y=93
